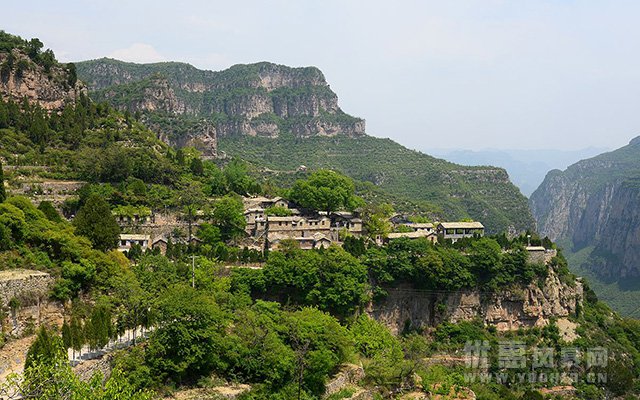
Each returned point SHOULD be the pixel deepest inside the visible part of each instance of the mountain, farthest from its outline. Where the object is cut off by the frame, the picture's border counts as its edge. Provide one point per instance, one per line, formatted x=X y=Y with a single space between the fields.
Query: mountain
x=280 y=118
x=260 y=99
x=594 y=208
x=526 y=168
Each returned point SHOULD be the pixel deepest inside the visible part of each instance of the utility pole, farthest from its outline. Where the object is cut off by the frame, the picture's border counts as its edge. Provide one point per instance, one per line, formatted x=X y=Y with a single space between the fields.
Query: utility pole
x=193 y=271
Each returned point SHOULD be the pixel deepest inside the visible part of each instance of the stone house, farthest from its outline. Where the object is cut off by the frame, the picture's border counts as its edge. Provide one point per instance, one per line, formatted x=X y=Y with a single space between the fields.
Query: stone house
x=160 y=243
x=540 y=255
x=418 y=227
x=264 y=202
x=308 y=232
x=346 y=220
x=460 y=230
x=128 y=240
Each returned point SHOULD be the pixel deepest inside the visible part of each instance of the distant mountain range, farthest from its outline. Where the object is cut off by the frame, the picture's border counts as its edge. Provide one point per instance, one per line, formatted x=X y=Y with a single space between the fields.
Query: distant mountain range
x=526 y=168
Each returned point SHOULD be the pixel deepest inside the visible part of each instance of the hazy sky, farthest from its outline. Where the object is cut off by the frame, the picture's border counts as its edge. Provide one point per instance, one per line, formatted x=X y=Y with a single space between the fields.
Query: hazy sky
x=430 y=74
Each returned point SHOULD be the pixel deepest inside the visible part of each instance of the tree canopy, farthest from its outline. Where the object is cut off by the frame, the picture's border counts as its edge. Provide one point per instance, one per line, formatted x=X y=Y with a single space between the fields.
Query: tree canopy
x=95 y=221
x=325 y=190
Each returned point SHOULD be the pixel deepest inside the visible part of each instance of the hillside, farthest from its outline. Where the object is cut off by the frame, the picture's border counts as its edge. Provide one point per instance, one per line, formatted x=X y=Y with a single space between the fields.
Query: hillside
x=593 y=206
x=446 y=190
x=280 y=118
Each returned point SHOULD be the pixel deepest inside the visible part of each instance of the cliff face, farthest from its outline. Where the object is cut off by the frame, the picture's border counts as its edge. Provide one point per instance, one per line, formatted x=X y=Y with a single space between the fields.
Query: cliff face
x=510 y=309
x=261 y=99
x=595 y=203
x=617 y=238
x=22 y=78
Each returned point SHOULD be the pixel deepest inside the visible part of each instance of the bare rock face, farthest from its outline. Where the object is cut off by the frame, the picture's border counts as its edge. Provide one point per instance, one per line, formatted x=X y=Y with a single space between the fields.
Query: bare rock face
x=511 y=309
x=51 y=90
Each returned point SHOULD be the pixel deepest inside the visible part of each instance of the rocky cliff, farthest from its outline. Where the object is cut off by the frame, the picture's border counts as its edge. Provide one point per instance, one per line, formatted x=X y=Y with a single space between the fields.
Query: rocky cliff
x=594 y=203
x=509 y=309
x=261 y=99
x=51 y=87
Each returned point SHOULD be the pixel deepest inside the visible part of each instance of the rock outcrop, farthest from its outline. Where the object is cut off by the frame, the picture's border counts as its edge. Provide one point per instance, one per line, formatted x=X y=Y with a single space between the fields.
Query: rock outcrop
x=594 y=203
x=510 y=309
x=21 y=78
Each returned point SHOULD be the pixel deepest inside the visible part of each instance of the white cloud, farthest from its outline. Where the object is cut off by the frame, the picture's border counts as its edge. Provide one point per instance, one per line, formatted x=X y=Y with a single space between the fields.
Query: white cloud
x=139 y=53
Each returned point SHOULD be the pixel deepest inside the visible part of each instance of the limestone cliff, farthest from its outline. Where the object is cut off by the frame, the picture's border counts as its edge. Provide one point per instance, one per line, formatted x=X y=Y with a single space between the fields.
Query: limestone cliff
x=261 y=99
x=22 y=78
x=594 y=203
x=510 y=309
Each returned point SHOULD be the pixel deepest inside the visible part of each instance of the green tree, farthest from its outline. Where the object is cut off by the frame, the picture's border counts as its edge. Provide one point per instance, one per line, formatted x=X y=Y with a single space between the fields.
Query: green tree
x=196 y=166
x=228 y=215
x=375 y=220
x=189 y=339
x=49 y=211
x=333 y=280
x=209 y=234
x=237 y=177
x=191 y=199
x=325 y=190
x=95 y=221
x=43 y=349
x=320 y=344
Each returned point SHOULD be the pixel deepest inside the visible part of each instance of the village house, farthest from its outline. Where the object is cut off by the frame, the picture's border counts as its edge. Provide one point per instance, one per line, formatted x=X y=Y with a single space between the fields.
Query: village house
x=264 y=202
x=128 y=240
x=459 y=230
x=420 y=227
x=135 y=219
x=429 y=235
x=160 y=243
x=540 y=255
x=309 y=233
x=344 y=220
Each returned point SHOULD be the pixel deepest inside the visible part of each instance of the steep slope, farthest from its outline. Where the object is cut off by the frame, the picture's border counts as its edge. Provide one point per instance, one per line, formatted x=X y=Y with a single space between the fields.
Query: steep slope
x=594 y=204
x=279 y=118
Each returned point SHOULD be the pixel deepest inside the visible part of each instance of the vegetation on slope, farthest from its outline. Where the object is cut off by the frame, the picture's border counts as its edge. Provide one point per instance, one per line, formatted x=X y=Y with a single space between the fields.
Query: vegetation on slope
x=443 y=189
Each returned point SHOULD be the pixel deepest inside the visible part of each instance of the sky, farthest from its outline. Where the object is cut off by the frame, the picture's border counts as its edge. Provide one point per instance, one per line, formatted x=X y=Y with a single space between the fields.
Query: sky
x=466 y=74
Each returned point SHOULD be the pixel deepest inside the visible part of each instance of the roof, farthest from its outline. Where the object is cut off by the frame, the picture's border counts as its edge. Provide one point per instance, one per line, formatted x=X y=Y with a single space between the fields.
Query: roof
x=293 y=218
x=462 y=225
x=410 y=235
x=128 y=236
x=536 y=248
x=421 y=225
x=319 y=236
x=261 y=199
x=254 y=209
x=160 y=239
